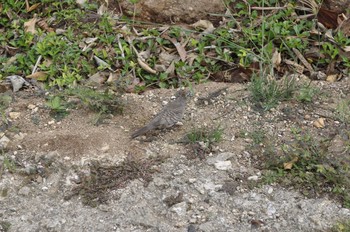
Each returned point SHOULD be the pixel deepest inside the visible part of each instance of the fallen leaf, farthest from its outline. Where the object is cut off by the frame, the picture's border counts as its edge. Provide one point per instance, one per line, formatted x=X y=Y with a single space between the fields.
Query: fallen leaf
x=43 y=25
x=328 y=18
x=30 y=25
x=289 y=165
x=113 y=77
x=98 y=78
x=276 y=58
x=332 y=78
x=40 y=76
x=204 y=24
x=33 y=7
x=145 y=66
x=319 y=123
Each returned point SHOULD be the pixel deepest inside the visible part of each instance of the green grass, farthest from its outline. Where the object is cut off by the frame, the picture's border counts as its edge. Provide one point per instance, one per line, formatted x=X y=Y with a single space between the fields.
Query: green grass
x=267 y=93
x=307 y=93
x=343 y=111
x=206 y=135
x=102 y=103
x=342 y=226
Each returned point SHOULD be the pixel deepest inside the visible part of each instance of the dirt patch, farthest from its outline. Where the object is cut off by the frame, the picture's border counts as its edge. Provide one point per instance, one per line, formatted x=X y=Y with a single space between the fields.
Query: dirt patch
x=165 y=186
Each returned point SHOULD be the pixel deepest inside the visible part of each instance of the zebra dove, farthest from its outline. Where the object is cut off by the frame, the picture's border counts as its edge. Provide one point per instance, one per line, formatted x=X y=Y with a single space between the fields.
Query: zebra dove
x=168 y=116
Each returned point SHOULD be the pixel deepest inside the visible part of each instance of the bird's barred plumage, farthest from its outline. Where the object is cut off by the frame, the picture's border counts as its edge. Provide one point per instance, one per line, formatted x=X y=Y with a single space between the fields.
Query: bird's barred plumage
x=168 y=116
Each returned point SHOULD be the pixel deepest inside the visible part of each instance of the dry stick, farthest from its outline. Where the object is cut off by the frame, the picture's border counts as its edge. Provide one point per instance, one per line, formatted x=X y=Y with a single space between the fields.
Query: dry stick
x=36 y=64
x=268 y=8
x=303 y=60
x=299 y=68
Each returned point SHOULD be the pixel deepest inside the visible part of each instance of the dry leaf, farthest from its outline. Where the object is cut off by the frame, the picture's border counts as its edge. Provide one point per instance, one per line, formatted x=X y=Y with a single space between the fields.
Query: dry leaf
x=328 y=18
x=43 y=25
x=332 y=78
x=276 y=58
x=40 y=76
x=30 y=25
x=289 y=165
x=33 y=7
x=145 y=66
x=180 y=49
x=204 y=24
x=319 y=123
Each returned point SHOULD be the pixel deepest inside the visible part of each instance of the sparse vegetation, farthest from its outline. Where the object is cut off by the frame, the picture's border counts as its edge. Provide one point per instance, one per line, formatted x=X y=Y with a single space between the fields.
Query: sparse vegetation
x=306 y=93
x=206 y=135
x=306 y=165
x=201 y=140
x=343 y=226
x=5 y=226
x=100 y=102
x=343 y=111
x=267 y=93
x=58 y=110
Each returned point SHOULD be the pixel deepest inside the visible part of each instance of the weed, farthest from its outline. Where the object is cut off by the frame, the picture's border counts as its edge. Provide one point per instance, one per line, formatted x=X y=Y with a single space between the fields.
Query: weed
x=267 y=93
x=343 y=226
x=9 y=165
x=102 y=103
x=343 y=111
x=5 y=226
x=57 y=109
x=306 y=166
x=201 y=140
x=307 y=93
x=206 y=135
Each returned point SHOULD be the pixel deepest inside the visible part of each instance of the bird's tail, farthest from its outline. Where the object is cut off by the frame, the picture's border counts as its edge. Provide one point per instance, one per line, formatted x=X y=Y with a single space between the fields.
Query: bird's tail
x=141 y=131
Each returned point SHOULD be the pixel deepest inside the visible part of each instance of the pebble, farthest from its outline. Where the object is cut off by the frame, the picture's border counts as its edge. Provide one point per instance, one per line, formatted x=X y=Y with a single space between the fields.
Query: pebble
x=24 y=191
x=223 y=165
x=14 y=115
x=180 y=209
x=31 y=106
x=255 y=178
x=4 y=141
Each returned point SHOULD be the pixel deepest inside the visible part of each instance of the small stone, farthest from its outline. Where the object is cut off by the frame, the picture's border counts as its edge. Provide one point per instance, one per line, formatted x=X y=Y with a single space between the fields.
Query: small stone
x=180 y=208
x=51 y=122
x=192 y=180
x=270 y=190
x=19 y=136
x=105 y=148
x=31 y=106
x=211 y=186
x=271 y=210
x=30 y=170
x=255 y=178
x=4 y=141
x=14 y=115
x=178 y=172
x=24 y=191
x=223 y=165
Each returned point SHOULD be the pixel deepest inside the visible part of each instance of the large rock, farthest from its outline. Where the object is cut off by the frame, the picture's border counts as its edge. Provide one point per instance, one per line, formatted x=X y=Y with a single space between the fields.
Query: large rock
x=167 y=11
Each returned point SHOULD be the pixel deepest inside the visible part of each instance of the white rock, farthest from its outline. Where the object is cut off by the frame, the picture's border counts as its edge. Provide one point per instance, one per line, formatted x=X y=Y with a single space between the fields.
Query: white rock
x=180 y=208
x=223 y=165
x=14 y=115
x=31 y=106
x=4 y=141
x=255 y=178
